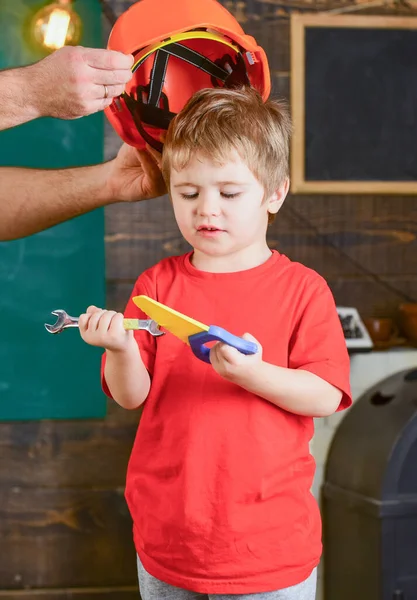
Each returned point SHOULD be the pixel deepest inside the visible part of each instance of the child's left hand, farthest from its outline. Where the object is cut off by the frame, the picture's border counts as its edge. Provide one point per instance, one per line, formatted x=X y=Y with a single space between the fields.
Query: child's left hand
x=232 y=364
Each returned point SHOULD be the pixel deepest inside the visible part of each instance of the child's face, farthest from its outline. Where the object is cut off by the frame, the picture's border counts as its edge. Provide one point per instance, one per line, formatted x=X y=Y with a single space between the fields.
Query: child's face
x=220 y=209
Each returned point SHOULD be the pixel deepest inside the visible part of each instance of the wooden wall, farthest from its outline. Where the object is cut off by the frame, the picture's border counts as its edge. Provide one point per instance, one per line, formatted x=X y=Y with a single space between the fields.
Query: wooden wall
x=64 y=525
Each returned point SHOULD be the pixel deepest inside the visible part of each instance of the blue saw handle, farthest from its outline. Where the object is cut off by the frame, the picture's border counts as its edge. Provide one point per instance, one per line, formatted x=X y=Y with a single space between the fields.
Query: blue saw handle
x=218 y=334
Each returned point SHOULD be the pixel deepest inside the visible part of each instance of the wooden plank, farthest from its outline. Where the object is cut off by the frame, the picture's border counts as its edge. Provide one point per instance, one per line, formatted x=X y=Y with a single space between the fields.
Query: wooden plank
x=297 y=82
x=152 y=219
x=361 y=21
x=377 y=232
x=344 y=235
x=370 y=298
x=280 y=81
x=350 y=187
x=66 y=453
x=273 y=36
x=150 y=225
x=121 y=593
x=60 y=538
x=118 y=293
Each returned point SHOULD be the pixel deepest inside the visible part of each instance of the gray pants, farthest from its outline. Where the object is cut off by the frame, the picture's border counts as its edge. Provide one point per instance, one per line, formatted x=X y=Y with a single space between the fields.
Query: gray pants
x=153 y=589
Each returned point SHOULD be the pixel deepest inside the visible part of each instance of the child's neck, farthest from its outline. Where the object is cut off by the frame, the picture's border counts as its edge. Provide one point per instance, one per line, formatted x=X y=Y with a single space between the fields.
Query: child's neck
x=230 y=263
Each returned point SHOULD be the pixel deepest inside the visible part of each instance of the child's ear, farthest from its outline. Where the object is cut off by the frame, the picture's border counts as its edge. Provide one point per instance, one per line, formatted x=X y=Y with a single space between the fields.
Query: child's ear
x=276 y=200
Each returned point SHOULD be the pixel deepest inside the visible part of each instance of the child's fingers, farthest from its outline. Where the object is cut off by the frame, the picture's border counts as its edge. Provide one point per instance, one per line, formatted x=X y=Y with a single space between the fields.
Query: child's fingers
x=105 y=320
x=116 y=326
x=104 y=328
x=94 y=320
x=83 y=321
x=230 y=354
x=116 y=322
x=92 y=309
x=251 y=338
x=227 y=353
x=217 y=352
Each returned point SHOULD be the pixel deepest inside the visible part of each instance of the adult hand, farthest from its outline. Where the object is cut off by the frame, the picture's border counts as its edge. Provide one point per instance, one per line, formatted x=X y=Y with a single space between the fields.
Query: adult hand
x=135 y=175
x=74 y=81
x=34 y=199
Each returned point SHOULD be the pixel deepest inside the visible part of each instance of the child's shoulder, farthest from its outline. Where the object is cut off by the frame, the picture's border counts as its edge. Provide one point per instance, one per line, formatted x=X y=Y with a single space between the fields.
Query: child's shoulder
x=300 y=274
x=166 y=269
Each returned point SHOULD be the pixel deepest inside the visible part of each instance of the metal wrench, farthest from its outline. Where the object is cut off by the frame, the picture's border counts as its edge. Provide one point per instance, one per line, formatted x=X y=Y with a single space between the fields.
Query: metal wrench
x=64 y=321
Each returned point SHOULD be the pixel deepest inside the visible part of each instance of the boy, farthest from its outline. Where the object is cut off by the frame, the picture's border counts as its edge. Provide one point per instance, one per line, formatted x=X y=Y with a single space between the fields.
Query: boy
x=219 y=479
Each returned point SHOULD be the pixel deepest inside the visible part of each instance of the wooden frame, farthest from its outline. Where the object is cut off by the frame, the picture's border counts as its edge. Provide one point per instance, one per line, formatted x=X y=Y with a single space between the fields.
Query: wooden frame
x=299 y=23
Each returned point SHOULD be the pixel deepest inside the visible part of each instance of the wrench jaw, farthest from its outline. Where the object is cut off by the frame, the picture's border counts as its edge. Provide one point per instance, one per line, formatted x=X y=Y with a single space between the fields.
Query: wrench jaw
x=58 y=326
x=153 y=329
x=51 y=328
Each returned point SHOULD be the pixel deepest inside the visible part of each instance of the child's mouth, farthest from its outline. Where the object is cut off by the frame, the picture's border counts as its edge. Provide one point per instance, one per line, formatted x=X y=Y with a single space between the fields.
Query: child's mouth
x=208 y=231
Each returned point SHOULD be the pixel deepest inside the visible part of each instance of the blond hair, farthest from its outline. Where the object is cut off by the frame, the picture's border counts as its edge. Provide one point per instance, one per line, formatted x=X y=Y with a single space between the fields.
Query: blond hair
x=217 y=122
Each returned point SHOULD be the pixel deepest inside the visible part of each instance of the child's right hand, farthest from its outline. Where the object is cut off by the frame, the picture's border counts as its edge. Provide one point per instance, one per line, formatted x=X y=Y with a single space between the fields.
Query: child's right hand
x=104 y=328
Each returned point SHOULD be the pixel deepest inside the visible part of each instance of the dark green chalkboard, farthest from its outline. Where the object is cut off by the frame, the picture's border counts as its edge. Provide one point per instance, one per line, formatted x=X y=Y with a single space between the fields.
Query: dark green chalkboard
x=44 y=376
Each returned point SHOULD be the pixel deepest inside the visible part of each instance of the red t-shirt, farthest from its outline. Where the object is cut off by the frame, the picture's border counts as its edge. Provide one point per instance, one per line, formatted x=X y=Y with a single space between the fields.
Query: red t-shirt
x=218 y=482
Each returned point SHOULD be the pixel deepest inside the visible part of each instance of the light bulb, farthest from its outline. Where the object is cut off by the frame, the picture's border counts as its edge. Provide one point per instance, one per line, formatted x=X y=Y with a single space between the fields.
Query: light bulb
x=57 y=25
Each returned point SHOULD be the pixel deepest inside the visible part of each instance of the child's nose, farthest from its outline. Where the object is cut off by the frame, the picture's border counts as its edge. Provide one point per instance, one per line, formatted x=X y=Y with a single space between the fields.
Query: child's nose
x=209 y=205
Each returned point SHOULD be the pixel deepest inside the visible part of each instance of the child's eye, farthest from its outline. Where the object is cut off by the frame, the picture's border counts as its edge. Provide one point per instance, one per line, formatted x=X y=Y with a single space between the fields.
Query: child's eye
x=226 y=195
x=192 y=196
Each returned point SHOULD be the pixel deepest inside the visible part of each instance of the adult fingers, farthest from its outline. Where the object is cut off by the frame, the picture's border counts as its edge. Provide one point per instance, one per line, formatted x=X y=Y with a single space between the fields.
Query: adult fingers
x=148 y=162
x=112 y=91
x=152 y=172
x=107 y=59
x=157 y=156
x=109 y=78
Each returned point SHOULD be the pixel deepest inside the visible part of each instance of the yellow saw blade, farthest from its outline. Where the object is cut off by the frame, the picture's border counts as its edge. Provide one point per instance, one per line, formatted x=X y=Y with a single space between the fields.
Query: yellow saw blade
x=175 y=322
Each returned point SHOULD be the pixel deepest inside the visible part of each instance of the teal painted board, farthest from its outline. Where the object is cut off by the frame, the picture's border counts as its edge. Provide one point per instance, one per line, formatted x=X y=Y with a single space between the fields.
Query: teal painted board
x=44 y=376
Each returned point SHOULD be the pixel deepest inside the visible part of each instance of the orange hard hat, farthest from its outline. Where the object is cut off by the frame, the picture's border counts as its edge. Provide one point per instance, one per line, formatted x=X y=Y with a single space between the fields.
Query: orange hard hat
x=178 y=50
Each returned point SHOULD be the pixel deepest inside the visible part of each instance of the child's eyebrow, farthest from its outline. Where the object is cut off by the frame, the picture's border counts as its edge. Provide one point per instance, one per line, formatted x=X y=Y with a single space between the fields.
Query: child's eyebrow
x=231 y=183
x=188 y=183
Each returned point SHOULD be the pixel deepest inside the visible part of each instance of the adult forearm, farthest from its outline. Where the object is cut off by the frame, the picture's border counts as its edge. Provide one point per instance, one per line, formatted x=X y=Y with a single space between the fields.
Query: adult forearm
x=16 y=106
x=294 y=390
x=32 y=200
x=127 y=378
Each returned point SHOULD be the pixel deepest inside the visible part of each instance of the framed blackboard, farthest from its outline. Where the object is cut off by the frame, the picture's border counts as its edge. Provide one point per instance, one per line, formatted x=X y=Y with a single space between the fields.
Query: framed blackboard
x=354 y=104
x=44 y=376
